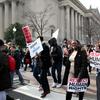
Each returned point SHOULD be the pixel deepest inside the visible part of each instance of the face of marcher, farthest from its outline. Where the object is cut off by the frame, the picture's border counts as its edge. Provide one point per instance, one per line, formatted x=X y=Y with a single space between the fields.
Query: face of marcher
x=97 y=47
x=74 y=44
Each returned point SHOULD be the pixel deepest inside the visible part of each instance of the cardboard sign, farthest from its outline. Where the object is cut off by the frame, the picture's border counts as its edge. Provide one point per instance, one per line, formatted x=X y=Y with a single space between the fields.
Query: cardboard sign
x=35 y=47
x=94 y=59
x=27 y=34
x=74 y=86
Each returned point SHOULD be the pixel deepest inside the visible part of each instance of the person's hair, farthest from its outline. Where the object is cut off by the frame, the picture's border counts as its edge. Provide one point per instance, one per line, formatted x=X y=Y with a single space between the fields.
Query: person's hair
x=65 y=39
x=52 y=41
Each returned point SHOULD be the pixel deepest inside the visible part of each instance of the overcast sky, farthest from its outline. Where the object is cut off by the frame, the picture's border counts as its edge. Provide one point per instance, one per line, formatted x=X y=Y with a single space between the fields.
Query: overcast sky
x=93 y=3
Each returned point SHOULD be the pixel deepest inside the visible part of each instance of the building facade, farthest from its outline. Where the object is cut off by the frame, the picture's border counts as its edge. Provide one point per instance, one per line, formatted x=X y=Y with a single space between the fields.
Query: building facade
x=70 y=16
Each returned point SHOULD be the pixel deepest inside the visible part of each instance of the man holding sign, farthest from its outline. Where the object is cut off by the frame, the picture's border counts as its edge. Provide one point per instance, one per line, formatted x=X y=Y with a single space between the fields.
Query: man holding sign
x=45 y=60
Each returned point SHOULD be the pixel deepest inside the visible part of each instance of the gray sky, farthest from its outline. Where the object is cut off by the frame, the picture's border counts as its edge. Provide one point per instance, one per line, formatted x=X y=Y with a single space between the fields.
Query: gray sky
x=93 y=3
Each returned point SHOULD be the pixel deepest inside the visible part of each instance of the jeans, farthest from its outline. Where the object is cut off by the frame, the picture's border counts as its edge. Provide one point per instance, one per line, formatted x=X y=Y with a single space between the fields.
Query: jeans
x=2 y=95
x=44 y=80
x=12 y=76
x=56 y=67
x=20 y=76
x=36 y=72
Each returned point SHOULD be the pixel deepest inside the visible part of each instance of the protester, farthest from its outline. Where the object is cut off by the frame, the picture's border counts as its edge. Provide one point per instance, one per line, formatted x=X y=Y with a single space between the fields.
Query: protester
x=22 y=54
x=12 y=64
x=56 y=55
x=5 y=80
x=98 y=73
x=89 y=50
x=65 y=61
x=37 y=70
x=27 y=60
x=16 y=54
x=78 y=66
x=45 y=64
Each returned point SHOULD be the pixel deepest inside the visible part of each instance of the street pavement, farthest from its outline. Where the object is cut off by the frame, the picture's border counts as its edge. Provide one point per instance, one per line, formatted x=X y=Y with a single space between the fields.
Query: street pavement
x=30 y=90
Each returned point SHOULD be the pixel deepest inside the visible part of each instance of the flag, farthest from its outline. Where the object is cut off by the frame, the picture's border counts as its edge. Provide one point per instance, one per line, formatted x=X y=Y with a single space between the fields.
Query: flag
x=55 y=34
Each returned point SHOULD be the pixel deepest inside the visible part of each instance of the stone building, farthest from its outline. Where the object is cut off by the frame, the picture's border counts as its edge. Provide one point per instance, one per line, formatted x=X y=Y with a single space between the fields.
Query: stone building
x=70 y=16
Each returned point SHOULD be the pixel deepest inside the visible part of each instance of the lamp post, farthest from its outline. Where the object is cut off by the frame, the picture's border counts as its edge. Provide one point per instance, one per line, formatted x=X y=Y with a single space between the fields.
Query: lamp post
x=14 y=30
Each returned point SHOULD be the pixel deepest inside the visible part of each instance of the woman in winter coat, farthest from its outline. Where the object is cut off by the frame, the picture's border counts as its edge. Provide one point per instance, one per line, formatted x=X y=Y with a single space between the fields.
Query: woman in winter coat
x=78 y=66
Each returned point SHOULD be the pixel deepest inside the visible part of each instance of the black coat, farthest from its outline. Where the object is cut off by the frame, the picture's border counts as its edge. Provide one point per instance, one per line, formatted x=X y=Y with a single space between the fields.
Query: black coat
x=45 y=57
x=57 y=54
x=5 y=80
x=17 y=59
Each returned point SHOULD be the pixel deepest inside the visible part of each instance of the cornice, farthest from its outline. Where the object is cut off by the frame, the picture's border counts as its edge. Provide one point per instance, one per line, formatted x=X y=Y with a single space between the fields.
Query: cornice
x=79 y=4
x=74 y=5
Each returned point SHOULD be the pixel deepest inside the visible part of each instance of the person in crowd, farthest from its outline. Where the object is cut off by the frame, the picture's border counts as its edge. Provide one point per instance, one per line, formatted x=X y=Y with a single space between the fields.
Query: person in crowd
x=22 y=54
x=5 y=80
x=16 y=54
x=89 y=50
x=12 y=64
x=45 y=60
x=97 y=49
x=37 y=70
x=56 y=55
x=65 y=61
x=78 y=66
x=27 y=60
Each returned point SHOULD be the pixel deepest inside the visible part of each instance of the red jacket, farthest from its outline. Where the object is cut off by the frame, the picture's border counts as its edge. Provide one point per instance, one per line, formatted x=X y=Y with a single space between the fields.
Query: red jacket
x=12 y=63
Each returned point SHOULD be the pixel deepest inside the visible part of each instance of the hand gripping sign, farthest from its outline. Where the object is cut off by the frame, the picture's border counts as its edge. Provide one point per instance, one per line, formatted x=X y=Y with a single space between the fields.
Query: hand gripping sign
x=27 y=34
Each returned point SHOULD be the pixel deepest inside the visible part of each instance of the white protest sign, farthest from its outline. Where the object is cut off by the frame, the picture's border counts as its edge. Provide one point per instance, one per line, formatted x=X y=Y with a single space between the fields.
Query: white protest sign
x=35 y=47
x=74 y=86
x=55 y=34
x=94 y=58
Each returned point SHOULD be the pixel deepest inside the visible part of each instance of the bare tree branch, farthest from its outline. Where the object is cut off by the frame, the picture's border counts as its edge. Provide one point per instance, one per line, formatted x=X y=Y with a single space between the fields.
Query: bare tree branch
x=39 y=20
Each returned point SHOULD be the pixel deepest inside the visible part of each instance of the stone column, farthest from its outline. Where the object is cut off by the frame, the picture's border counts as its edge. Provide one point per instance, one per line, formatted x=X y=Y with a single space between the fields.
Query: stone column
x=76 y=25
x=68 y=22
x=6 y=15
x=62 y=22
x=82 y=29
x=1 y=21
x=14 y=11
x=79 y=27
x=72 y=23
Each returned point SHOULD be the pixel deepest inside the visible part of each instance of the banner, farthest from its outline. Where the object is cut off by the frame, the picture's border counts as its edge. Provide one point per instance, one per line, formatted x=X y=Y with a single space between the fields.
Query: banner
x=94 y=59
x=35 y=47
x=27 y=34
x=74 y=86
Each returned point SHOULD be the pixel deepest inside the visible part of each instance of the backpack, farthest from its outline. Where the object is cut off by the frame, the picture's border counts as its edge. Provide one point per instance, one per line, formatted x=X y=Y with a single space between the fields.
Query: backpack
x=12 y=63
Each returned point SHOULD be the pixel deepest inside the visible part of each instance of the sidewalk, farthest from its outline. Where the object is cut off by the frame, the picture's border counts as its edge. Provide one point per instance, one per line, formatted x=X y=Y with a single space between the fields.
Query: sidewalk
x=56 y=93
